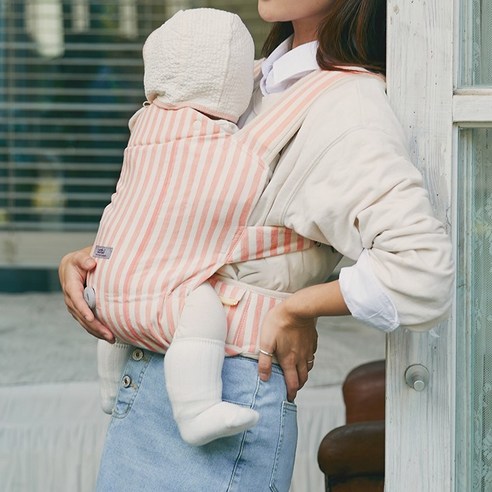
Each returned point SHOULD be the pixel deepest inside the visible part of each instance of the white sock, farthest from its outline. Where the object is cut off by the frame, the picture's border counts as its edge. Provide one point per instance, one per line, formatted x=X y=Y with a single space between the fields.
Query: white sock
x=111 y=359
x=193 y=368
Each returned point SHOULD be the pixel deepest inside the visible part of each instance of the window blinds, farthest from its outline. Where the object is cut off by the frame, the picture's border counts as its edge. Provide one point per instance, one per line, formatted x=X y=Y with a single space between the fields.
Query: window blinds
x=70 y=77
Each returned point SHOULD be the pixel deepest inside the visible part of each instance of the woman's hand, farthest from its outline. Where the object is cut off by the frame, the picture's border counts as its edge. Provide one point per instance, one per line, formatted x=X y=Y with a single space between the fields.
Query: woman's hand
x=289 y=332
x=73 y=271
x=293 y=340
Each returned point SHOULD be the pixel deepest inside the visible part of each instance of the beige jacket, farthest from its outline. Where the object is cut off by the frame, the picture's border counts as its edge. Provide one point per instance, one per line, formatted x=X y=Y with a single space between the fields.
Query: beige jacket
x=346 y=181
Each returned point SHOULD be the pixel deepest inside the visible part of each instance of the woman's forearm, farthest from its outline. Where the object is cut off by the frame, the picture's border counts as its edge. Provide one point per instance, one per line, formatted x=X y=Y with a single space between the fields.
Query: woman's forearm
x=317 y=300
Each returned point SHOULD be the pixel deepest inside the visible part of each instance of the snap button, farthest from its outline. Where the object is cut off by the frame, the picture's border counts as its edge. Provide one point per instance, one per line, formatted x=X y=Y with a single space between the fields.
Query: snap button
x=137 y=354
x=127 y=380
x=90 y=297
x=229 y=301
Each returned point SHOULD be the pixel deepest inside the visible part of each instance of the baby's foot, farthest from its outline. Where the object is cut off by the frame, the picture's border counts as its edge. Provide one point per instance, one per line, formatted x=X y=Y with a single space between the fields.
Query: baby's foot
x=220 y=420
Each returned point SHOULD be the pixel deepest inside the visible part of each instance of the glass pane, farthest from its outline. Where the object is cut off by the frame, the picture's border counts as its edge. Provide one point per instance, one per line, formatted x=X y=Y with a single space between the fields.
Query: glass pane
x=477 y=43
x=475 y=326
x=70 y=77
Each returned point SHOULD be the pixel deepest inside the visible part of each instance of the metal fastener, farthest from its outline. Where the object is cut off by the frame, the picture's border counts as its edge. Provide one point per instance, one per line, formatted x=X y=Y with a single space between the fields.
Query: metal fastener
x=137 y=354
x=90 y=297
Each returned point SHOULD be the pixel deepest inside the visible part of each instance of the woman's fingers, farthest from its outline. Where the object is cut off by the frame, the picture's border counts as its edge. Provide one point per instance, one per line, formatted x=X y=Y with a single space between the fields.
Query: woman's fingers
x=265 y=355
x=95 y=328
x=73 y=274
x=264 y=366
x=74 y=298
x=293 y=341
x=292 y=382
x=302 y=373
x=295 y=371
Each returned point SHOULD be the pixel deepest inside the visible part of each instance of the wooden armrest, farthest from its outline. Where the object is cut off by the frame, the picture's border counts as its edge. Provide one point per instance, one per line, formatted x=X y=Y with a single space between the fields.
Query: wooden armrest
x=364 y=392
x=353 y=450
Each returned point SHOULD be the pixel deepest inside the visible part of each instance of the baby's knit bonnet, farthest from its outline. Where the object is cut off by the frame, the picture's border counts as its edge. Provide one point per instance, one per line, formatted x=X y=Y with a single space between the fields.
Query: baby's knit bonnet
x=201 y=58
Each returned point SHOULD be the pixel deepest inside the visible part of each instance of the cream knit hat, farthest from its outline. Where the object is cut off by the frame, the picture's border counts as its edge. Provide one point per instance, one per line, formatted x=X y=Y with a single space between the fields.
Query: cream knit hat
x=201 y=58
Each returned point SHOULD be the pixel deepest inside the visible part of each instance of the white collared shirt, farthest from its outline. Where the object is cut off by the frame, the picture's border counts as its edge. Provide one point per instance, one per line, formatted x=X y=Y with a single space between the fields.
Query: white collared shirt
x=285 y=66
x=365 y=297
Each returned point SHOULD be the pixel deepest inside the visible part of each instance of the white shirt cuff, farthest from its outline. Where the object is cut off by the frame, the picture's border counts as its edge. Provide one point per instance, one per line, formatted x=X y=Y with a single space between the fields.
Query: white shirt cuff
x=365 y=296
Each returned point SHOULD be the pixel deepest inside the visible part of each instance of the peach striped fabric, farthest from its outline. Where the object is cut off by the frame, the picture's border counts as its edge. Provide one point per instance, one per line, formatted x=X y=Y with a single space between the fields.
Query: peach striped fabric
x=180 y=212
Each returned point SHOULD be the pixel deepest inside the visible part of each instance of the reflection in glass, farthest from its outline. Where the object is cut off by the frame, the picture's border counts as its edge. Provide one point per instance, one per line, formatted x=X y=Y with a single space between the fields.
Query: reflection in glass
x=70 y=78
x=475 y=295
x=477 y=43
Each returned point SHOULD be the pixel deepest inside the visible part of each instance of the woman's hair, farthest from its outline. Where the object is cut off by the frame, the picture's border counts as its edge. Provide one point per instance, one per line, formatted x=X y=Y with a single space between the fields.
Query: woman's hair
x=352 y=34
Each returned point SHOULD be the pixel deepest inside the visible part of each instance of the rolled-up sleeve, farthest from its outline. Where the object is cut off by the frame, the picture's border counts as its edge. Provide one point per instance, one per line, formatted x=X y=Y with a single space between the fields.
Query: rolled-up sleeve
x=364 y=197
x=366 y=299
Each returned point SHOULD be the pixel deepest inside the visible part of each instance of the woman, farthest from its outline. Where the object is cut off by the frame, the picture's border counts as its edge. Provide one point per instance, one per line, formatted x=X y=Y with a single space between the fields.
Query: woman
x=344 y=181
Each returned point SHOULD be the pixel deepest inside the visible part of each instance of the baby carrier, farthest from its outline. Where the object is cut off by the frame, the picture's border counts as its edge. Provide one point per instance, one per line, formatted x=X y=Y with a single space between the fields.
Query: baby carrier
x=180 y=212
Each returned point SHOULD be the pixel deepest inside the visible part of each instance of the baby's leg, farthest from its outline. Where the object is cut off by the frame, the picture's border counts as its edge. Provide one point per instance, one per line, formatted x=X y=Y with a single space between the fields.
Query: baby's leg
x=111 y=359
x=193 y=368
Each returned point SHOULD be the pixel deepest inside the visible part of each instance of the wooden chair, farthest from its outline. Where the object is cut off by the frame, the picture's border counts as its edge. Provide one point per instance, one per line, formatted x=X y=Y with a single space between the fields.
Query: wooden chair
x=352 y=456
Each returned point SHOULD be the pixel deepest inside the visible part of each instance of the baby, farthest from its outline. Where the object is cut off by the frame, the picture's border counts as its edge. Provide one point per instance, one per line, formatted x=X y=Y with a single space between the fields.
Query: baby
x=198 y=81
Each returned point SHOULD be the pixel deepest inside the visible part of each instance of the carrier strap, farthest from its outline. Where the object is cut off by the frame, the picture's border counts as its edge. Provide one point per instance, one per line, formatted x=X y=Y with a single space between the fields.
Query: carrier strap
x=263 y=241
x=267 y=134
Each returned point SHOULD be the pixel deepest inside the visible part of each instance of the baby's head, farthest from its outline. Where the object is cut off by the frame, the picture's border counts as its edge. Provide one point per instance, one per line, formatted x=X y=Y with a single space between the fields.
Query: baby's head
x=201 y=58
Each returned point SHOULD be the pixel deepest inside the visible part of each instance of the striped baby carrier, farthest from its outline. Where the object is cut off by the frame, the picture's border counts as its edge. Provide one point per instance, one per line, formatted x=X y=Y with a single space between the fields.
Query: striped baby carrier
x=180 y=212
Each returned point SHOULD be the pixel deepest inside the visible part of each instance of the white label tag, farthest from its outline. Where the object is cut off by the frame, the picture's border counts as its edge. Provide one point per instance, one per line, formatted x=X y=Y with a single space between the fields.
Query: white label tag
x=102 y=252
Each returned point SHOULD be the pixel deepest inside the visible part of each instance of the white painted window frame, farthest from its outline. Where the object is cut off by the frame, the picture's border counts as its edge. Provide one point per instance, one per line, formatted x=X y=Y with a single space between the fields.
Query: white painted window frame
x=26 y=249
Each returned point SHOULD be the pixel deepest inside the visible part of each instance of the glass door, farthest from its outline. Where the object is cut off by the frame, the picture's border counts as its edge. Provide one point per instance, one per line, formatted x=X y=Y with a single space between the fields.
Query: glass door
x=474 y=197
x=440 y=85
x=420 y=437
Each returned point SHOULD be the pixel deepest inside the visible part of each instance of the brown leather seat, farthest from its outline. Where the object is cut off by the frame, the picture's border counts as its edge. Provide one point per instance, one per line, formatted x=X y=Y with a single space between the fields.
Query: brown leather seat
x=352 y=456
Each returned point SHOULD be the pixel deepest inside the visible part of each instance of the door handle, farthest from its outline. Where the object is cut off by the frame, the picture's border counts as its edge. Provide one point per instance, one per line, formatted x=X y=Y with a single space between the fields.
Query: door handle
x=417 y=377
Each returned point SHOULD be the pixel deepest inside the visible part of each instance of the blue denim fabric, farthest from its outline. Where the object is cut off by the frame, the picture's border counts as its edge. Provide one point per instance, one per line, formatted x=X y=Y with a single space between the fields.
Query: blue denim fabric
x=144 y=451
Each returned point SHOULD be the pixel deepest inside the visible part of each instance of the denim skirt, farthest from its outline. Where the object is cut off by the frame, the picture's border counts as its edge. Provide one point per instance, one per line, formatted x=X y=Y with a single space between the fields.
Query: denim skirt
x=143 y=450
